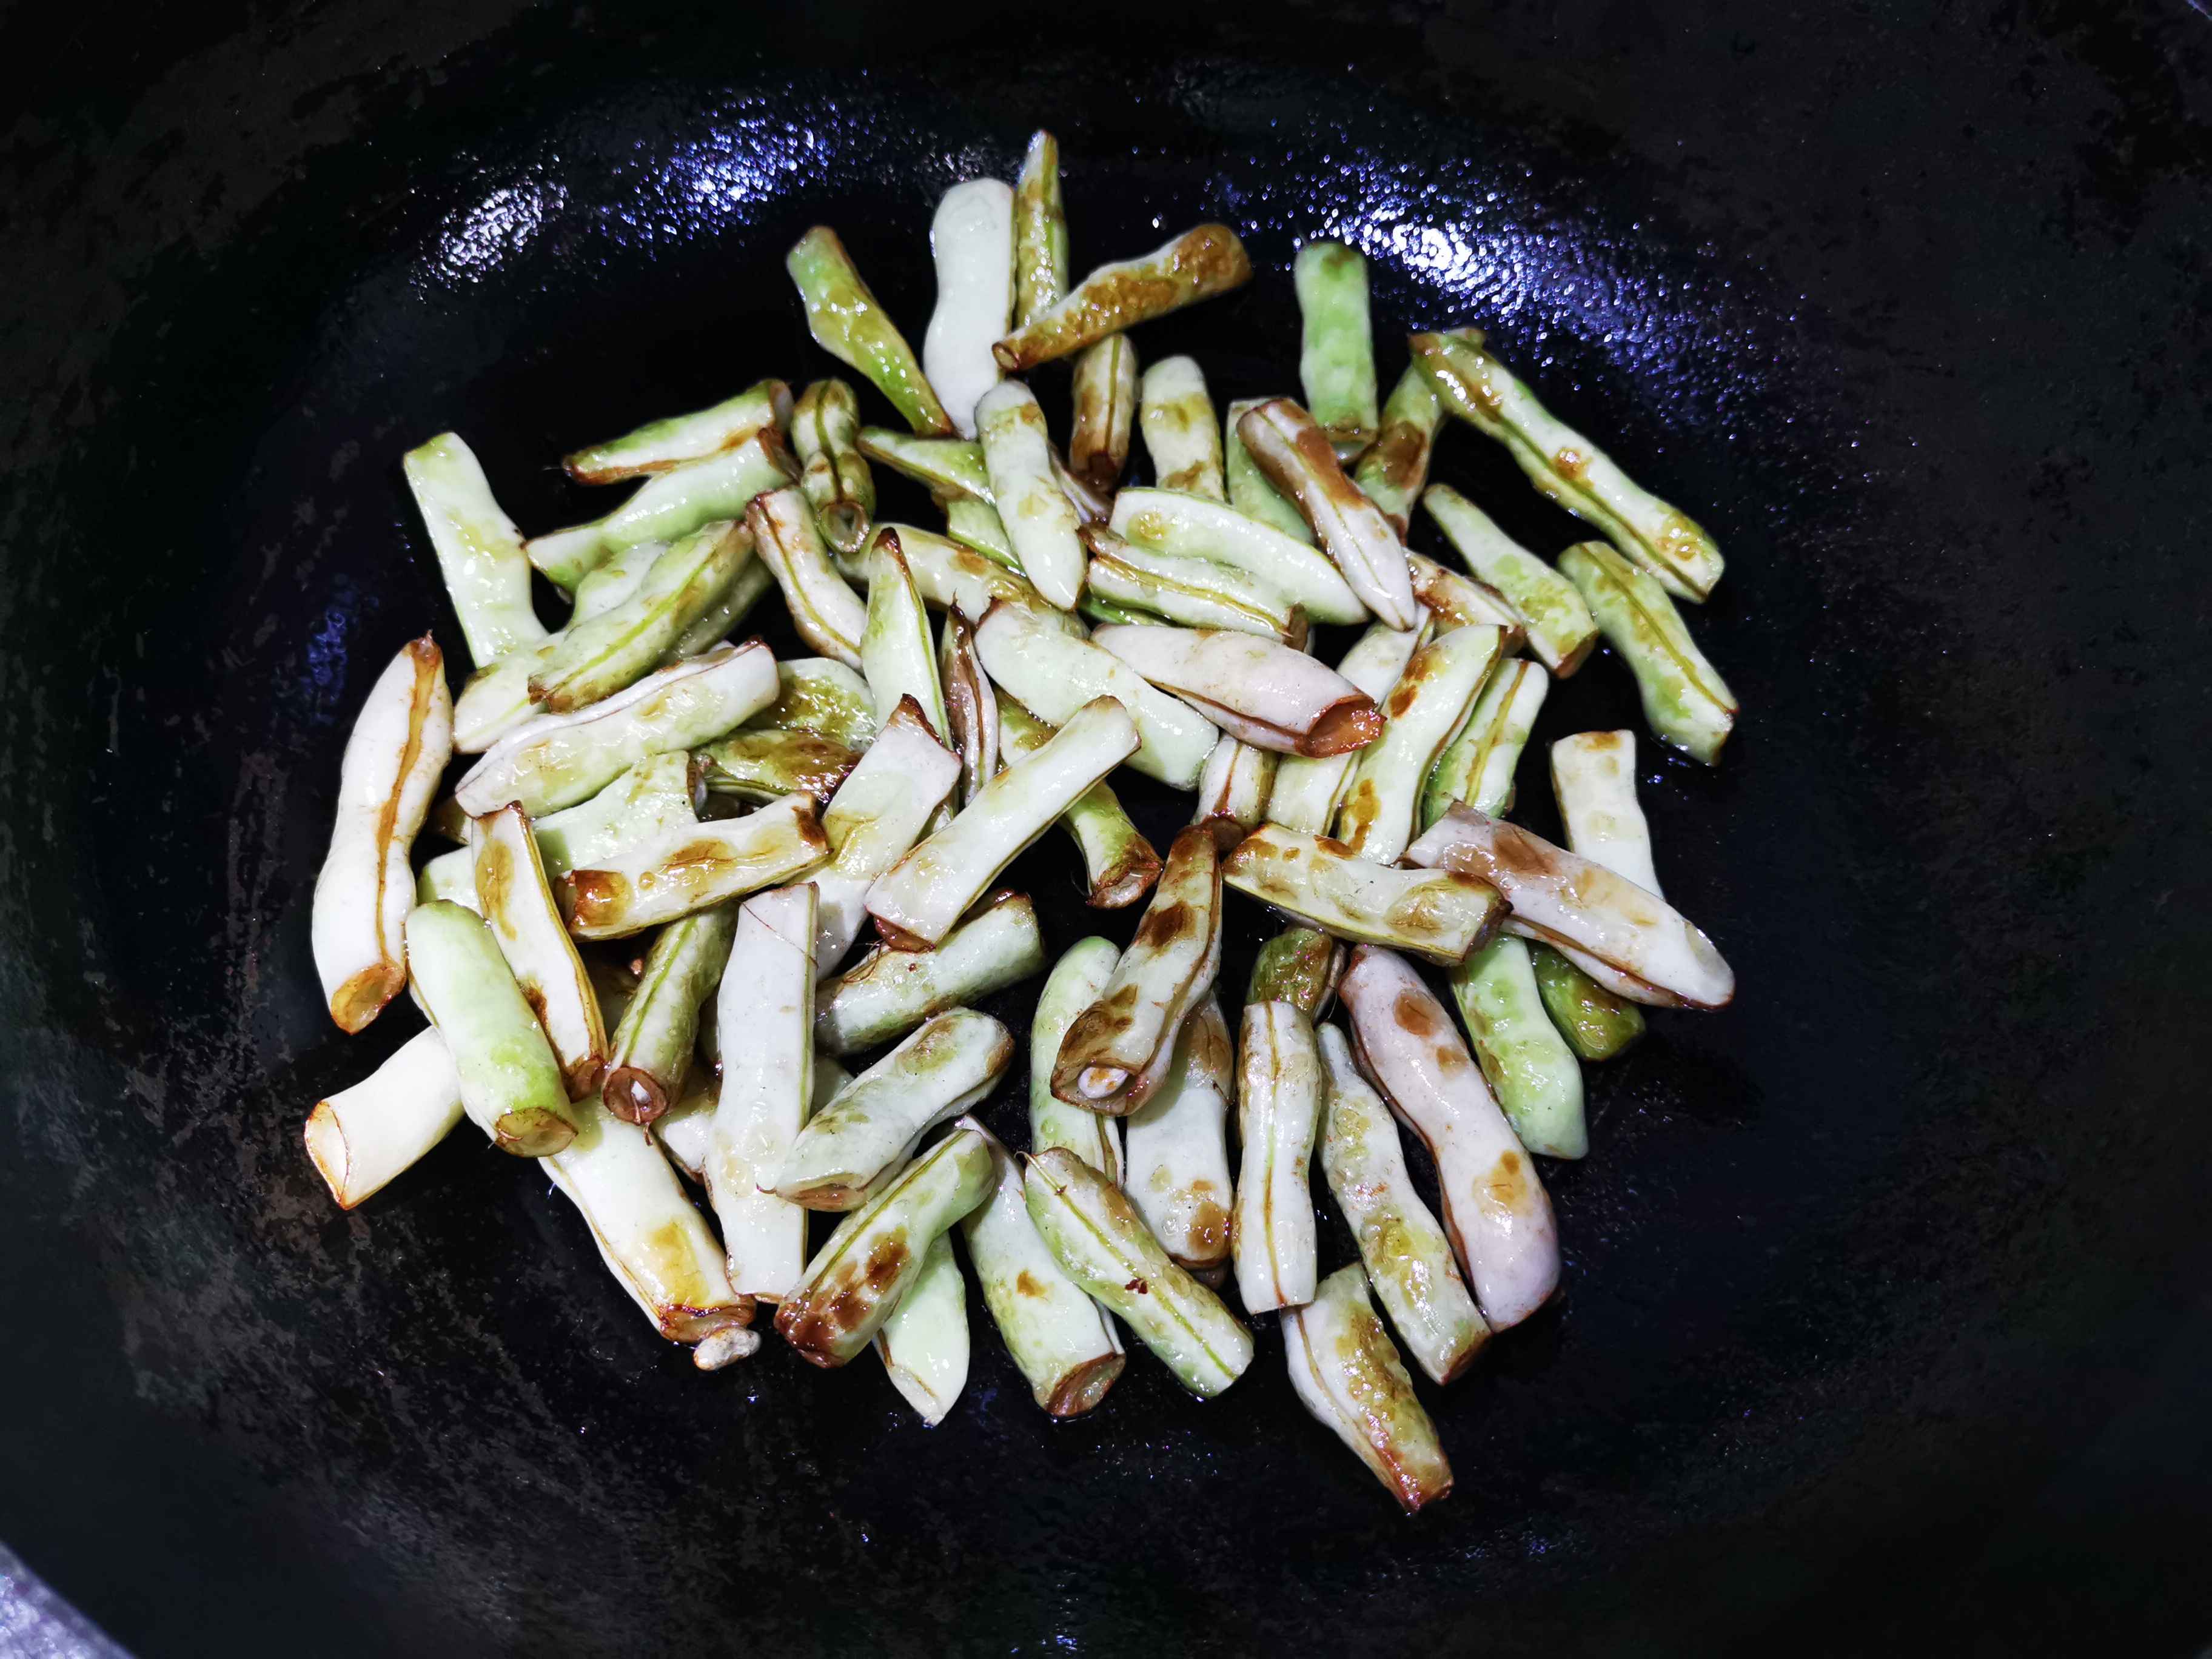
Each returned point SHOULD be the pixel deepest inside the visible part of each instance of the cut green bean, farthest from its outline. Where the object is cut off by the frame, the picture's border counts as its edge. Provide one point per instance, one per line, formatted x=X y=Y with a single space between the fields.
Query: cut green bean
x=1232 y=791
x=924 y=1343
x=1251 y=491
x=1309 y=791
x=1039 y=519
x=1347 y=1373
x=1040 y=231
x=1078 y=980
x=1495 y=1207
x=1457 y=601
x=946 y=467
x=1065 y=1347
x=1176 y=413
x=833 y=472
x=971 y=706
x=660 y=793
x=1119 y=865
x=754 y=583
x=1628 y=939
x=1091 y=507
x=917 y=903
x=768 y=1089
x=1279 y=1094
x=876 y=815
x=1393 y=472
x=1299 y=966
x=618 y=646
x=511 y=1084
x=1102 y=1244
x=874 y=1257
x=1256 y=689
x=754 y=765
x=826 y=613
x=1684 y=699
x=1557 y=623
x=1195 y=592
x=1566 y=466
x=1434 y=698
x=686 y=870
x=557 y=760
x=1594 y=780
x=972 y=240
x=1596 y=1024
x=1193 y=527
x=653 y=1045
x=1104 y=393
x=1528 y=1065
x=1114 y=1046
x=480 y=552
x=1327 y=885
x=814 y=693
x=1295 y=453
x=897 y=653
x=848 y=324
x=659 y=444
x=612 y=583
x=889 y=993
x=1196 y=265
x=1052 y=674
x=399 y=744
x=668 y=506
x=977 y=526
x=1336 y=365
x=1177 y=1167
x=1408 y=1255
x=1479 y=764
x=513 y=897
x=361 y=1137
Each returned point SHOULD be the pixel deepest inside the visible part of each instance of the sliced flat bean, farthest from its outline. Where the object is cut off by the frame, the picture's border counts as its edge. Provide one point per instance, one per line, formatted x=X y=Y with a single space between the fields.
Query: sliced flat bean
x=653 y=1046
x=1596 y=1024
x=977 y=526
x=848 y=324
x=1176 y=413
x=621 y=645
x=1528 y=1064
x=687 y=870
x=1196 y=265
x=668 y=506
x=479 y=551
x=971 y=706
x=1196 y=528
x=1232 y=791
x=515 y=897
x=1038 y=516
x=1300 y=966
x=1176 y=1169
x=1552 y=615
x=1119 y=865
x=1594 y=780
x=1105 y=400
x=897 y=653
x=399 y=744
x=833 y=472
x=1278 y=1093
x=754 y=583
x=1251 y=491
x=924 y=1343
x=1196 y=592
x=1346 y=1371
x=814 y=693
x=826 y=613
x=1078 y=980
x=1337 y=364
x=877 y=814
x=1434 y=698
x=1040 y=230
x=1325 y=884
x=945 y=467
x=1393 y=472
x=361 y=1137
x=1478 y=765
x=1684 y=699
x=659 y=444
x=1309 y=791
x=1296 y=453
x=1257 y=689
x=972 y=240
x=754 y=765
x=1457 y=601
x=888 y=993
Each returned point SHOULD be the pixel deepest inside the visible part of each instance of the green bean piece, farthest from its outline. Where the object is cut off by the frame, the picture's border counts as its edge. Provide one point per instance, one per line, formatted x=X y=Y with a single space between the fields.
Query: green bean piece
x=1596 y=1024
x=1176 y=413
x=875 y=817
x=667 y=506
x=1684 y=699
x=659 y=444
x=951 y=576
x=1040 y=231
x=1078 y=980
x=1309 y=789
x=1119 y=865
x=511 y=1084
x=1478 y=765
x=874 y=1257
x=848 y=324
x=659 y=792
x=1040 y=520
x=621 y=646
x=1141 y=582
x=1557 y=623
x=1327 y=885
x=1337 y=363
x=888 y=993
x=653 y=1045
x=977 y=526
x=897 y=655
x=971 y=242
x=1407 y=1251
x=1300 y=966
x=480 y=552
x=1296 y=453
x=1175 y=1170
x=833 y=472
x=1594 y=780
x=361 y=1137
x=1347 y=1372
x=514 y=897
x=1065 y=1347
x=950 y=1064
x=763 y=766
x=1432 y=700
x=612 y=582
x=924 y=1343
x=1278 y=1096
x=1251 y=491
x=1105 y=393
x=1193 y=527
x=814 y=693
x=826 y=613
x=686 y=870
x=1566 y=466
x=971 y=705
x=754 y=583
x=1530 y=1067
x=1196 y=265
x=1257 y=689
x=946 y=467
x=1396 y=466
x=1233 y=790
x=1457 y=601
x=1102 y=1244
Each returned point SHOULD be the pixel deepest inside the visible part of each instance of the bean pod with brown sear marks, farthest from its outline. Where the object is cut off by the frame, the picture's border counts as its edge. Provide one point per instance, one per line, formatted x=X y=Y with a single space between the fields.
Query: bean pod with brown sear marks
x=875 y=816
x=1196 y=265
x=1191 y=526
x=1295 y=453
x=1119 y=865
x=1233 y=790
x=1495 y=1208
x=1278 y=1098
x=1627 y=937
x=653 y=1046
x=857 y=1278
x=1079 y=979
x=1685 y=700
x=760 y=766
x=1553 y=618
x=514 y=897
x=659 y=444
x=687 y=870
x=888 y=993
x=1344 y=1369
x=1327 y=885
x=826 y=613
x=1177 y=1166
x=834 y=474
x=1300 y=966
x=1478 y=766
x=1259 y=689
x=594 y=658
x=1195 y=592
x=1177 y=417
x=848 y=323
x=1425 y=710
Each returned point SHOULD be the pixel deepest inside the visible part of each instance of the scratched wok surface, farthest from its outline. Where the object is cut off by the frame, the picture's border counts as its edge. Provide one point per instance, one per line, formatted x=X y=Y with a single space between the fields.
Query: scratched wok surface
x=1883 y=1298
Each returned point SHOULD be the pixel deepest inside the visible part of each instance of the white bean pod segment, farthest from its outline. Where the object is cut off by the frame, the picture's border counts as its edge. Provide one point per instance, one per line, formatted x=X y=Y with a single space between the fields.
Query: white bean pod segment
x=1278 y=1097
x=1259 y=690
x=1295 y=451
x=361 y=1137
x=972 y=240
x=1040 y=519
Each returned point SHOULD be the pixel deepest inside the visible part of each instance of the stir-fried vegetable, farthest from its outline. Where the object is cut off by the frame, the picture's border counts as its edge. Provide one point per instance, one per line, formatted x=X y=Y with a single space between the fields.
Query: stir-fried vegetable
x=1175 y=1169
x=1193 y=527
x=361 y=1137
x=972 y=238
x=1119 y=865
x=480 y=552
x=833 y=473
x=687 y=870
x=1553 y=618
x=1684 y=699
x=1279 y=1094
x=888 y=993
x=513 y=897
x=1296 y=454
x=1040 y=520
x=826 y=613
x=1078 y=980
x=1478 y=765
x=1344 y=1369
x=1308 y=790
x=659 y=444
x=1196 y=265
x=1337 y=365
x=848 y=324
x=1259 y=690
x=1433 y=699
x=1177 y=417
x=651 y=1046
x=1327 y=885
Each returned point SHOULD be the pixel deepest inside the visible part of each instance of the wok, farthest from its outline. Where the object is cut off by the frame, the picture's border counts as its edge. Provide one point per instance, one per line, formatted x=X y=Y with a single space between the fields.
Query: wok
x=1884 y=1324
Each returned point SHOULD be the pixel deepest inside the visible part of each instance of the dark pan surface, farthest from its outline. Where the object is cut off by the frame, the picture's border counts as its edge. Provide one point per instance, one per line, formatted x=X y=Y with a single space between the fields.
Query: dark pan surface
x=1884 y=1289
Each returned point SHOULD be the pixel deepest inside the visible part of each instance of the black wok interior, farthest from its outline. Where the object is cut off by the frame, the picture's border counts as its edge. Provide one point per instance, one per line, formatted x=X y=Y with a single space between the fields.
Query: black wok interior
x=1885 y=1301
